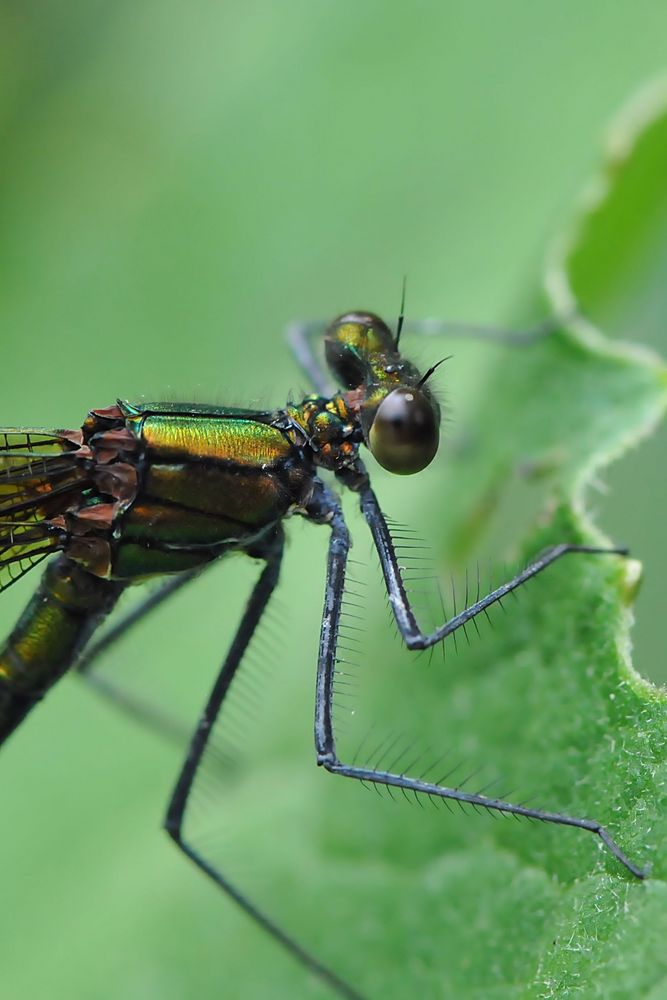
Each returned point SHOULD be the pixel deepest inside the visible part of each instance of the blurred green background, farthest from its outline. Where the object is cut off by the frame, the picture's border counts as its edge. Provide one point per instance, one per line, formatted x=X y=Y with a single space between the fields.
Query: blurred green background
x=177 y=183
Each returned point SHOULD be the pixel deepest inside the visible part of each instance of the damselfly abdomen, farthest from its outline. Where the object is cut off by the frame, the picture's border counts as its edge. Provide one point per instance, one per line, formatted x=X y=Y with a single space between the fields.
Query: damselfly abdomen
x=161 y=490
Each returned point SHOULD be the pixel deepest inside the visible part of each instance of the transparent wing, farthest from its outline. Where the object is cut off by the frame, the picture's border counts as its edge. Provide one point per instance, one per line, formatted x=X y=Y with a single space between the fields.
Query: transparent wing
x=39 y=477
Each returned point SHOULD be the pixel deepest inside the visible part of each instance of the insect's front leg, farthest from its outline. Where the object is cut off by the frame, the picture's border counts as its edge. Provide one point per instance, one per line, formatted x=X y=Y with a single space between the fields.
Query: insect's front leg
x=326 y=670
x=406 y=621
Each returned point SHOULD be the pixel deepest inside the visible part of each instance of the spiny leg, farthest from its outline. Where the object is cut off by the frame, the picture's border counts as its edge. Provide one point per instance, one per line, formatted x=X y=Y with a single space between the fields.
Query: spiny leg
x=178 y=804
x=407 y=624
x=324 y=733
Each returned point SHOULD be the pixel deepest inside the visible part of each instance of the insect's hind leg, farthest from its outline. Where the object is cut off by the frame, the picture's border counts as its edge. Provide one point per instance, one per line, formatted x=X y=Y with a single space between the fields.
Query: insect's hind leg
x=324 y=734
x=178 y=803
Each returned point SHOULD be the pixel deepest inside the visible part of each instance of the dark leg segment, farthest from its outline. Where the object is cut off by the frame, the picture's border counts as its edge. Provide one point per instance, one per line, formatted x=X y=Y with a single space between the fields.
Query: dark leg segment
x=407 y=624
x=324 y=735
x=179 y=800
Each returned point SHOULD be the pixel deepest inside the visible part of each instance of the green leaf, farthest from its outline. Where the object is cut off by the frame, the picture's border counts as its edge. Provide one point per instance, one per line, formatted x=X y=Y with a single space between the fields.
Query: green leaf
x=611 y=262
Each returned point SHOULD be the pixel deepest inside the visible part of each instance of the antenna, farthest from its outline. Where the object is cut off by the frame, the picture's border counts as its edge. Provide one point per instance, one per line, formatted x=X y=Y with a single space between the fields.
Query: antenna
x=428 y=374
x=401 y=315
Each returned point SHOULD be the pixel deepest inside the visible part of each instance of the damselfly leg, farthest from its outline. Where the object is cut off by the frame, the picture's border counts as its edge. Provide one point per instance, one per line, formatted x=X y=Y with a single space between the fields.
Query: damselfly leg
x=271 y=551
x=415 y=639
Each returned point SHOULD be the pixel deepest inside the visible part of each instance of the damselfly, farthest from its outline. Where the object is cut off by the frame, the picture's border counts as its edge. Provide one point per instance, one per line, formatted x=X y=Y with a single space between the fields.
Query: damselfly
x=161 y=490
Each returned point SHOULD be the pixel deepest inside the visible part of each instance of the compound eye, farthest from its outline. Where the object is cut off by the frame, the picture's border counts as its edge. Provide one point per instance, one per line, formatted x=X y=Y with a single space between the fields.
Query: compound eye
x=404 y=435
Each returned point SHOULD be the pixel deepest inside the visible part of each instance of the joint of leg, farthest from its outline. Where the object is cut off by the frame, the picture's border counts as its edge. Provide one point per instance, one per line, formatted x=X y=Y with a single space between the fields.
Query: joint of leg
x=173 y=828
x=326 y=759
x=340 y=544
x=415 y=642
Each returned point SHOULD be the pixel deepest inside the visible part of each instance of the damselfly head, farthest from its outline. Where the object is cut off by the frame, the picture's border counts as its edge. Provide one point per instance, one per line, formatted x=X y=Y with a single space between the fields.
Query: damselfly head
x=398 y=415
x=351 y=340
